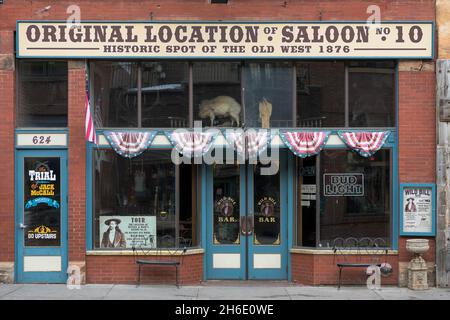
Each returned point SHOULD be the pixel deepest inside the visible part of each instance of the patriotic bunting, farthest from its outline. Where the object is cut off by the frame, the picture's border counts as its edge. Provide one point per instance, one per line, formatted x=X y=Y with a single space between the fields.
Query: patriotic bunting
x=365 y=143
x=257 y=141
x=130 y=144
x=304 y=143
x=192 y=143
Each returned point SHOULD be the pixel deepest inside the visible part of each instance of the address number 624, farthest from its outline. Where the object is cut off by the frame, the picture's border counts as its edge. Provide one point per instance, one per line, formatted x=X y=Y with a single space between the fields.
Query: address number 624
x=41 y=139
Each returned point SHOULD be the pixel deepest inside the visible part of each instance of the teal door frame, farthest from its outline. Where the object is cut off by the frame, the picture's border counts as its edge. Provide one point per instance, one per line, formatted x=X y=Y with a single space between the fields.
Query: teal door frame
x=247 y=249
x=21 y=249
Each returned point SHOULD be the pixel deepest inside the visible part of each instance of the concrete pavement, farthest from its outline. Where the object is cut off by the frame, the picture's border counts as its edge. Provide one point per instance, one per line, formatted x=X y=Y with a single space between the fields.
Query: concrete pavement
x=214 y=290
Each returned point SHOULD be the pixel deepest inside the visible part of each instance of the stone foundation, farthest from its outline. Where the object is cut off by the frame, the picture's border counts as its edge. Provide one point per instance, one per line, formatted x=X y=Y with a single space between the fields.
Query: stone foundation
x=6 y=272
x=81 y=265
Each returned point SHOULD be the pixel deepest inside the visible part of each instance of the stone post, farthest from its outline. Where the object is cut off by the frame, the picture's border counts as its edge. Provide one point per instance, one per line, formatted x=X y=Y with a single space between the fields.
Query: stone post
x=417 y=267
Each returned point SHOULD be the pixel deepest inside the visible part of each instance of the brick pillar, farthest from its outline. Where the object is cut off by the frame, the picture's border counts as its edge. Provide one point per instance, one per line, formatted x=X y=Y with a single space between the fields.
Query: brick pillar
x=417 y=142
x=7 y=124
x=77 y=165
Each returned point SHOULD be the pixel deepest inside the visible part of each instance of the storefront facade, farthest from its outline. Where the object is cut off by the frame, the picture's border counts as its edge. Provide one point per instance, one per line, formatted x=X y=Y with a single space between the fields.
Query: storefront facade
x=341 y=114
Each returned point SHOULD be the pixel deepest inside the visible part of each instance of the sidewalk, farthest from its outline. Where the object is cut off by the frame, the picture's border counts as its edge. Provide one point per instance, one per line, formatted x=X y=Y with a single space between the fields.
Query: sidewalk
x=219 y=291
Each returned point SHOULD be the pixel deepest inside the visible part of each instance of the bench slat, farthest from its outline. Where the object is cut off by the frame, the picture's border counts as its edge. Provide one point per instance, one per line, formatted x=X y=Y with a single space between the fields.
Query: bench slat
x=358 y=264
x=158 y=262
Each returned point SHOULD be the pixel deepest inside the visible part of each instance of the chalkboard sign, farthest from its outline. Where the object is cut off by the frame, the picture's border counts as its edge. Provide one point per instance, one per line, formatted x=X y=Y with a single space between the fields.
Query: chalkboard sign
x=417 y=209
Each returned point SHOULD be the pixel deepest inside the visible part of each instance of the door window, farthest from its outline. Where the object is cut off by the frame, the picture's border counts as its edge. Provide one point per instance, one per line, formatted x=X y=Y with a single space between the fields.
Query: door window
x=267 y=207
x=42 y=202
x=226 y=204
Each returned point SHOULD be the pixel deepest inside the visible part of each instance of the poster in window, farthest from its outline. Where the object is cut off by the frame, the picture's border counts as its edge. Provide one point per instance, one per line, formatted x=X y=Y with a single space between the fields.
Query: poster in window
x=42 y=202
x=121 y=232
x=417 y=209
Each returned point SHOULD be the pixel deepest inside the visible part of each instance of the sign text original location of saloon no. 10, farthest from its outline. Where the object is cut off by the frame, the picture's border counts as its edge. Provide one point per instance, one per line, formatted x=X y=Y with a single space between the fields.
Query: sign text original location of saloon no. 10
x=224 y=40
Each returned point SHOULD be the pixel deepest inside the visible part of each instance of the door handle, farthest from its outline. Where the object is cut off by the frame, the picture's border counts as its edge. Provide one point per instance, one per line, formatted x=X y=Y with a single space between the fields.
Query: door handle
x=22 y=226
x=243 y=225
x=250 y=224
x=246 y=223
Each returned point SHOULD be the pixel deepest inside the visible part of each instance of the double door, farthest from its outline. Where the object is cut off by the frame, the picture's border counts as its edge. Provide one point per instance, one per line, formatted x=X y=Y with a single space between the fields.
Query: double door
x=246 y=221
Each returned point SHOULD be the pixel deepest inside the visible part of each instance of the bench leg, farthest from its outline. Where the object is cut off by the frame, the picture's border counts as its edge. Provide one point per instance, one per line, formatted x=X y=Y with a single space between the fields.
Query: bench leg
x=339 y=281
x=139 y=275
x=176 y=277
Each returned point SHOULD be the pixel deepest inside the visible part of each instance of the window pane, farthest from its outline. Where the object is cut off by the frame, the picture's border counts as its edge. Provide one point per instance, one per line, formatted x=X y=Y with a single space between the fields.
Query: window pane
x=115 y=94
x=217 y=93
x=372 y=95
x=320 y=94
x=226 y=204
x=266 y=202
x=268 y=94
x=165 y=94
x=306 y=201
x=42 y=202
x=355 y=196
x=42 y=94
x=136 y=200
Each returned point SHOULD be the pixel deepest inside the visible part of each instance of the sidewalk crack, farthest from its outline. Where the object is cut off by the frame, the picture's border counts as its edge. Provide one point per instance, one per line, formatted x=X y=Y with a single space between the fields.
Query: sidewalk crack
x=109 y=291
x=378 y=294
x=8 y=293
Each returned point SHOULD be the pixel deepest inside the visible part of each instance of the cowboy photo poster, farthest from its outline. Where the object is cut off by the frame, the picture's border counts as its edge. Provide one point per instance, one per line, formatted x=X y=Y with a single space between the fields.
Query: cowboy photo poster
x=121 y=232
x=417 y=209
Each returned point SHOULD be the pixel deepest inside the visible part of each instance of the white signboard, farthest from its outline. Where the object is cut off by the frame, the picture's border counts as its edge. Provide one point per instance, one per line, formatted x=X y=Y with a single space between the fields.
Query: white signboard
x=276 y=40
x=417 y=210
x=41 y=140
x=309 y=188
x=122 y=232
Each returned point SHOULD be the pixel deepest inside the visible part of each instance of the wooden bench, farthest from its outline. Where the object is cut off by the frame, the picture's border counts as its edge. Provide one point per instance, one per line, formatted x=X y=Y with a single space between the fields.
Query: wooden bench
x=160 y=256
x=360 y=247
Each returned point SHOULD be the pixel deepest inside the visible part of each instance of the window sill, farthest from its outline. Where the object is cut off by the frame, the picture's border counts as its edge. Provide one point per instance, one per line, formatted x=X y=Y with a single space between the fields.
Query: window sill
x=348 y=251
x=130 y=252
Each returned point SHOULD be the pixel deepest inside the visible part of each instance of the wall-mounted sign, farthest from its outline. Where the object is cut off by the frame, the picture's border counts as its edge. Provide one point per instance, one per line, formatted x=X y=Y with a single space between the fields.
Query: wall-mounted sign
x=42 y=202
x=122 y=232
x=41 y=140
x=224 y=39
x=343 y=184
x=417 y=208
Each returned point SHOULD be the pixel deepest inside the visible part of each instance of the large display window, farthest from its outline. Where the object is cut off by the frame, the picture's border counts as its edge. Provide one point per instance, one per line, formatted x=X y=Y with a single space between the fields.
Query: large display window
x=145 y=201
x=343 y=196
x=267 y=94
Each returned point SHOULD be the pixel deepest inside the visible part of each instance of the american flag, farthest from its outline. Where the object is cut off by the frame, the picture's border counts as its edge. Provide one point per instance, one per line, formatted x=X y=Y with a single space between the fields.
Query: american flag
x=91 y=135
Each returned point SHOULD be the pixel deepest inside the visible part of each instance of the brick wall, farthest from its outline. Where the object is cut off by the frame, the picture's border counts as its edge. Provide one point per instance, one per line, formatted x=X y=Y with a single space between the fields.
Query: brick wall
x=417 y=139
x=321 y=269
x=7 y=122
x=123 y=269
x=77 y=162
x=202 y=10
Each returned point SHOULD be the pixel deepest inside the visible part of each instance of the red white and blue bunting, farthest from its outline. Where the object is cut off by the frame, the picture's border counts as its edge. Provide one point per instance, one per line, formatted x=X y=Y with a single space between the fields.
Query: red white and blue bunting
x=304 y=143
x=192 y=143
x=366 y=143
x=257 y=141
x=130 y=144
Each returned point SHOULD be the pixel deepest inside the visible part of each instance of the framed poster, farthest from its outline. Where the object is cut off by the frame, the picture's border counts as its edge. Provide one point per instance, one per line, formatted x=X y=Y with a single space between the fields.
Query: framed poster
x=417 y=209
x=123 y=232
